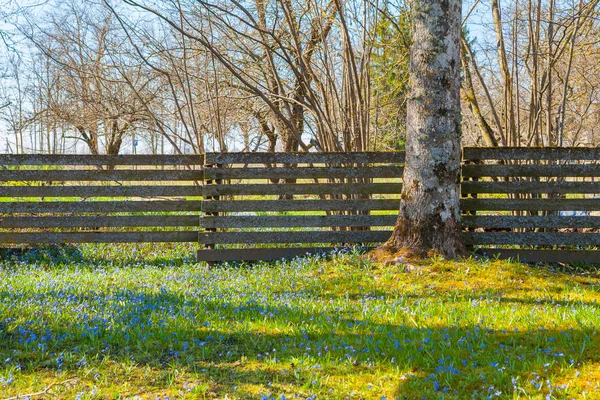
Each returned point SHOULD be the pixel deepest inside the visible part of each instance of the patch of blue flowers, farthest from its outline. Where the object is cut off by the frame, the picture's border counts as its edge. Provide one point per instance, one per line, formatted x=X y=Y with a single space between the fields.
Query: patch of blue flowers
x=71 y=315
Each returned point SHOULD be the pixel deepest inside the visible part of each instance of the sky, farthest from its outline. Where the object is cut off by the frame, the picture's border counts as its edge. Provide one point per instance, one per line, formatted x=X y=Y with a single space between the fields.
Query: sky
x=478 y=24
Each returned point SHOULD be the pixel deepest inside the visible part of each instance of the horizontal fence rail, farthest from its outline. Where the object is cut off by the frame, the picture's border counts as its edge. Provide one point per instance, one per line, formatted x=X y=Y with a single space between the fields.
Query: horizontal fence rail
x=366 y=157
x=535 y=204
x=48 y=199
x=119 y=175
x=532 y=153
x=7 y=160
x=307 y=188
x=531 y=171
x=96 y=221
x=298 y=205
x=297 y=221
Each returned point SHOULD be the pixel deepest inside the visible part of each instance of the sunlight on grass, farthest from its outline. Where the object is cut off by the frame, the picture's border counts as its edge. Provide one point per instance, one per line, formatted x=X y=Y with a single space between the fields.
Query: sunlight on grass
x=123 y=321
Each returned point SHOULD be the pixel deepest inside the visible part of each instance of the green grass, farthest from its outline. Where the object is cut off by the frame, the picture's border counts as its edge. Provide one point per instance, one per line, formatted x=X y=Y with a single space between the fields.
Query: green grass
x=104 y=322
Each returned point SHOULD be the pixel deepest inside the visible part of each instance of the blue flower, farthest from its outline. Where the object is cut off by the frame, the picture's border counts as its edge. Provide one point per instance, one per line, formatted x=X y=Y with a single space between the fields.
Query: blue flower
x=7 y=381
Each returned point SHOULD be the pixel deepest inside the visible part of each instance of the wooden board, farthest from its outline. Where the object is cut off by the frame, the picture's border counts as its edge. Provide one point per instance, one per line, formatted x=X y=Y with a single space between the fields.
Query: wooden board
x=530 y=187
x=99 y=221
x=530 y=204
x=531 y=153
x=101 y=191
x=534 y=221
x=483 y=170
x=532 y=238
x=99 y=206
x=269 y=221
x=303 y=188
x=79 y=159
x=294 y=237
x=298 y=205
x=303 y=172
x=304 y=158
x=97 y=237
x=100 y=175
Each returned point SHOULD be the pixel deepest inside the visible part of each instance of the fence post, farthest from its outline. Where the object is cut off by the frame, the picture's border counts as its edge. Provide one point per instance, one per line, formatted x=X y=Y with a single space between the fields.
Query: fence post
x=207 y=166
x=473 y=196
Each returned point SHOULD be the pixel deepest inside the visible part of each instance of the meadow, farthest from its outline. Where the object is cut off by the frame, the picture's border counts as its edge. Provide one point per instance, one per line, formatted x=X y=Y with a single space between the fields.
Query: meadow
x=146 y=321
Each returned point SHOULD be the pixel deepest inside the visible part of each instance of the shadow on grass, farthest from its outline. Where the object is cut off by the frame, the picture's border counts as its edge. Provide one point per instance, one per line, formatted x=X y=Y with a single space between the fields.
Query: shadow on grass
x=98 y=254
x=234 y=342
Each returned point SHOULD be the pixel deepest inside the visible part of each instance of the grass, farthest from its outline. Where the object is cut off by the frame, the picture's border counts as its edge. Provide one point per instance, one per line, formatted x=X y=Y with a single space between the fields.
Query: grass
x=110 y=322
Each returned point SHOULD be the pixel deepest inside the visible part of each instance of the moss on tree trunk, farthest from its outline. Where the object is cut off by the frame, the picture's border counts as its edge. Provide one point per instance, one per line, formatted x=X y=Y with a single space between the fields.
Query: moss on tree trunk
x=429 y=217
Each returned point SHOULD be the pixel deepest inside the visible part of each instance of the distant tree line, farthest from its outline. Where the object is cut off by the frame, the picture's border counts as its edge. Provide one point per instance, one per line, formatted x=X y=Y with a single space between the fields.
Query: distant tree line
x=191 y=76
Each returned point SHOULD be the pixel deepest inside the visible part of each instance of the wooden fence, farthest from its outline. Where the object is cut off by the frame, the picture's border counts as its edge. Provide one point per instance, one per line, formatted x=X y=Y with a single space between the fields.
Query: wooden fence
x=80 y=198
x=534 y=204
x=337 y=198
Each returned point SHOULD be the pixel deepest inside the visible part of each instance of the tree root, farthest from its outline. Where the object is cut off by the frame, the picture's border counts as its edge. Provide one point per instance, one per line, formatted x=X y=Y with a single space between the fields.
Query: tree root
x=46 y=392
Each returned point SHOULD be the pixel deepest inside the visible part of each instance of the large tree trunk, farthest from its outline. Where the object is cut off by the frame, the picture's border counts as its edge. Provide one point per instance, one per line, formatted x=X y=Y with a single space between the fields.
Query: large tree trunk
x=428 y=221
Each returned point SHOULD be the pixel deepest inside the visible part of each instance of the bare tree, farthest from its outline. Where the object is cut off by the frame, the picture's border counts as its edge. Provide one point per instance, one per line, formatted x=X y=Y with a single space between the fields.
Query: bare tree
x=538 y=50
x=302 y=66
x=93 y=95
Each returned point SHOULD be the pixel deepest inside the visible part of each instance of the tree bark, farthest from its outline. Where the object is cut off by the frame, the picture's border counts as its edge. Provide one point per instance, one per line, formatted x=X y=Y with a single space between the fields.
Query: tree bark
x=429 y=218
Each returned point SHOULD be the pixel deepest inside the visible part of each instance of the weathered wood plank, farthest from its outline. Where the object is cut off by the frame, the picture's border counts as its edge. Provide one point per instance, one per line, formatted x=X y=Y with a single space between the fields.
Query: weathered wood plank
x=99 y=221
x=260 y=253
x=543 y=256
x=530 y=187
x=78 y=159
x=263 y=221
x=308 y=188
x=531 y=153
x=100 y=191
x=97 y=237
x=99 y=206
x=483 y=170
x=293 y=237
x=530 y=204
x=100 y=175
x=535 y=221
x=298 y=205
x=303 y=172
x=532 y=238
x=304 y=158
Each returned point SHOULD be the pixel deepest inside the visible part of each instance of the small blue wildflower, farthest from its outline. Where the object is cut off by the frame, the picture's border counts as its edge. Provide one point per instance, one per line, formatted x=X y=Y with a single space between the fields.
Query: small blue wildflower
x=7 y=381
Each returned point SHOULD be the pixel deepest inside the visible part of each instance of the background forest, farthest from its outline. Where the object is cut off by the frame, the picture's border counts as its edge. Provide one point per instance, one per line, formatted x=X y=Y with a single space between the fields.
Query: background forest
x=183 y=76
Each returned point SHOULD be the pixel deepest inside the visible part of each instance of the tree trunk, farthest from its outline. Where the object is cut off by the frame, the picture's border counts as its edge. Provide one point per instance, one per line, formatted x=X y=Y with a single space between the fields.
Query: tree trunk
x=428 y=221
x=469 y=95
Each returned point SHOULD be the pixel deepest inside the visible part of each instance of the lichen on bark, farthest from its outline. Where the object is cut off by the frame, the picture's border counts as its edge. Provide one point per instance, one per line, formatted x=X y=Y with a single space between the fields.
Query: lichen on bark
x=429 y=215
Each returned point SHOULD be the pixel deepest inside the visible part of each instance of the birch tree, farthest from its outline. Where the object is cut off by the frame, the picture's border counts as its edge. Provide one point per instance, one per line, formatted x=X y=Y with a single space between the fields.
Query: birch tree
x=428 y=221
